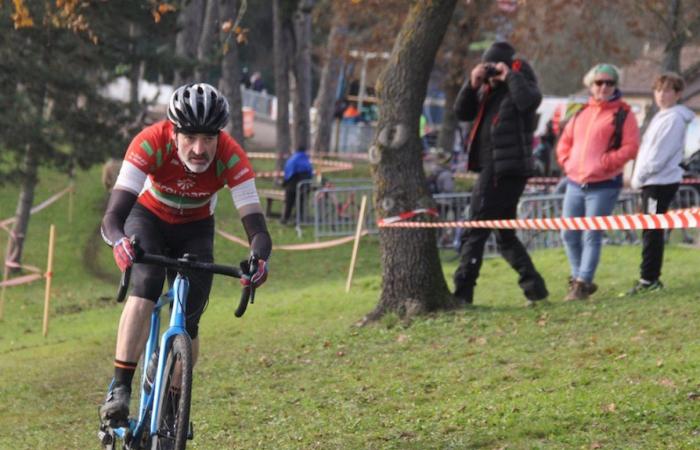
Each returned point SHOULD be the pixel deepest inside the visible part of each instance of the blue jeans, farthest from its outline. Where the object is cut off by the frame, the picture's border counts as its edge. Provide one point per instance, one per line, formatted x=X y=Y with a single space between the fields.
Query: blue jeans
x=583 y=247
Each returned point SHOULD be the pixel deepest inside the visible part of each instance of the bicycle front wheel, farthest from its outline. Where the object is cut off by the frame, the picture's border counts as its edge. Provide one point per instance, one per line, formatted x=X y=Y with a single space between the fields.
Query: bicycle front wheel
x=175 y=395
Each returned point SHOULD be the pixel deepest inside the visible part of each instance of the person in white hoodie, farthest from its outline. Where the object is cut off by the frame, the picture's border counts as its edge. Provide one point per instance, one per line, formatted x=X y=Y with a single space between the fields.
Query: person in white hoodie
x=658 y=173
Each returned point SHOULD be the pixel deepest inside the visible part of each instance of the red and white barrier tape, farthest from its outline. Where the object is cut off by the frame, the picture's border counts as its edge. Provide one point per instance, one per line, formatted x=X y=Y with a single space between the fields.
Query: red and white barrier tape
x=25 y=279
x=684 y=218
x=407 y=215
x=7 y=222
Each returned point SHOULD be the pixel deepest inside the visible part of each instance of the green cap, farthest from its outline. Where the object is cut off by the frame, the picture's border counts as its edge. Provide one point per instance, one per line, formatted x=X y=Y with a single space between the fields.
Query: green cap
x=607 y=69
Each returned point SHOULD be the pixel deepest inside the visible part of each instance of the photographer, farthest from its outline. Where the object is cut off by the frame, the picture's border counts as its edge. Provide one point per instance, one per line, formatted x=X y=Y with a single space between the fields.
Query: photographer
x=500 y=98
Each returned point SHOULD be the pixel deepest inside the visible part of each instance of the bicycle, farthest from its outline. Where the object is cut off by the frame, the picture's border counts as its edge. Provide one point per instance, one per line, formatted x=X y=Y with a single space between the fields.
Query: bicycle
x=164 y=400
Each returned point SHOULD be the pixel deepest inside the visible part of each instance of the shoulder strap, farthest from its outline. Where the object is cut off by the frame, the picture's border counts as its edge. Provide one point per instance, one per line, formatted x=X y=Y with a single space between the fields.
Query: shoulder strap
x=618 y=123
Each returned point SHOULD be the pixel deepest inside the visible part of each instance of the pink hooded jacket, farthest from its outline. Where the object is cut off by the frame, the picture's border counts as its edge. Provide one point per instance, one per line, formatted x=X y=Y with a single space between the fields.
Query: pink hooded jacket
x=582 y=150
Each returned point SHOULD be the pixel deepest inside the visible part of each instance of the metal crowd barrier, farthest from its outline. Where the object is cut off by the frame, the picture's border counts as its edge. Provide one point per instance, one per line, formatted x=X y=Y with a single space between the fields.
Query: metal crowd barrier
x=350 y=137
x=333 y=211
x=304 y=208
x=337 y=209
x=261 y=102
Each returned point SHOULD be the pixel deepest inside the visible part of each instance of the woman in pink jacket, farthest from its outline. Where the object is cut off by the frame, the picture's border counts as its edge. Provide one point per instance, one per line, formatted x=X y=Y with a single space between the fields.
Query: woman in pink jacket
x=592 y=152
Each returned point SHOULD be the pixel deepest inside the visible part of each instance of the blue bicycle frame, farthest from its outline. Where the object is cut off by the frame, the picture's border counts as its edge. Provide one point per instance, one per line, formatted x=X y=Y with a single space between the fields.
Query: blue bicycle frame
x=150 y=402
x=149 y=405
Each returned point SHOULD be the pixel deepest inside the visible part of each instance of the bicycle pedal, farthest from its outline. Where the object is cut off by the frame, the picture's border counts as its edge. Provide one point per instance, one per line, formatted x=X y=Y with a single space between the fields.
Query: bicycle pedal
x=190 y=432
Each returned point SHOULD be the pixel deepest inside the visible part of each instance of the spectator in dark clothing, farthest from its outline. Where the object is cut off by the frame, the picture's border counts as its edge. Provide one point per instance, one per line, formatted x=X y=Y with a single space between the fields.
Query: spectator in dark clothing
x=297 y=168
x=256 y=82
x=245 y=78
x=500 y=97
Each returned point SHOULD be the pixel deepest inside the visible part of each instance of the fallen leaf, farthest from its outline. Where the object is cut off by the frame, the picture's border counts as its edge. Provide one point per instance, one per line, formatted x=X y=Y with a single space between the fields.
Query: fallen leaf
x=265 y=361
x=610 y=407
x=659 y=363
x=340 y=353
x=596 y=445
x=693 y=395
x=622 y=356
x=666 y=382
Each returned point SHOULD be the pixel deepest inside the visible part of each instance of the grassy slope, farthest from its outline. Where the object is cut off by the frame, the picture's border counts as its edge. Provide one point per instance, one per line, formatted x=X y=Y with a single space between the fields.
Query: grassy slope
x=295 y=373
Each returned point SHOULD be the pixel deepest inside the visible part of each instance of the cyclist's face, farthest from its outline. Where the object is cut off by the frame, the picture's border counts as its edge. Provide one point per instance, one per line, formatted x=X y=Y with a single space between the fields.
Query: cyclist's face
x=196 y=150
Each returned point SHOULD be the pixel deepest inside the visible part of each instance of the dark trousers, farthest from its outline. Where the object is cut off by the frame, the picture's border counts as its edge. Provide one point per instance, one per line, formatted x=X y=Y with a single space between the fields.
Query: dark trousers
x=496 y=199
x=655 y=200
x=290 y=195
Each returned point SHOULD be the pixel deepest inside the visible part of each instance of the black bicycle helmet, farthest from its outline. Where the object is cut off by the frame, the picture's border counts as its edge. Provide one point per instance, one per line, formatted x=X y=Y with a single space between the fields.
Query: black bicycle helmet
x=198 y=108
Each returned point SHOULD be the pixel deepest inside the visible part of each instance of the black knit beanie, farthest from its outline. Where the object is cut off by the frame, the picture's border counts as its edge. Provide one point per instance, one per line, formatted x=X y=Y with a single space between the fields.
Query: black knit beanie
x=499 y=52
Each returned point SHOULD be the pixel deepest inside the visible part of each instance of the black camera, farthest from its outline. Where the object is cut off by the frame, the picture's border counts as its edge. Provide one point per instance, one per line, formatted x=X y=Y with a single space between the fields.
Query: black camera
x=491 y=71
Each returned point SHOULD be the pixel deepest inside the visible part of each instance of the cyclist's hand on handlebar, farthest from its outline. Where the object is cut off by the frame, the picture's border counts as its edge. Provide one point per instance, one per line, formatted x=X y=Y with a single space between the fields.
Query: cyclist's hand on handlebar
x=124 y=253
x=254 y=271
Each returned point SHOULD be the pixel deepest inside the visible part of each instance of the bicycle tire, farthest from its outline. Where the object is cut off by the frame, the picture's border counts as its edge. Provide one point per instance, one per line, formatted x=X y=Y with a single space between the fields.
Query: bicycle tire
x=174 y=414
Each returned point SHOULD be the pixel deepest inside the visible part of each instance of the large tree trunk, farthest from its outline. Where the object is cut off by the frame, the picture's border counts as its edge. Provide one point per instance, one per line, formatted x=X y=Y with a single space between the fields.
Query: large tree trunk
x=230 y=72
x=189 y=23
x=205 y=47
x=302 y=74
x=325 y=100
x=672 y=51
x=15 y=246
x=281 y=49
x=412 y=282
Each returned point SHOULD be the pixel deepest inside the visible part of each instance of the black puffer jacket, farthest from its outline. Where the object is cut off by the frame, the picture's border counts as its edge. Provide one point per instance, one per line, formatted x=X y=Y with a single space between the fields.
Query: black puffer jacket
x=510 y=125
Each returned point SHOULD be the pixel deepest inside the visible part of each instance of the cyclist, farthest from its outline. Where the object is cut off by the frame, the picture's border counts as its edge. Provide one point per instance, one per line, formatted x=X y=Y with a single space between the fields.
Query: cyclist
x=165 y=194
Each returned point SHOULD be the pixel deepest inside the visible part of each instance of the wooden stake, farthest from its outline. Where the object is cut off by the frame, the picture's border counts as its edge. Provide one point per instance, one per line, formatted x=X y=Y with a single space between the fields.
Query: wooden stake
x=49 y=275
x=70 y=202
x=356 y=245
x=5 y=275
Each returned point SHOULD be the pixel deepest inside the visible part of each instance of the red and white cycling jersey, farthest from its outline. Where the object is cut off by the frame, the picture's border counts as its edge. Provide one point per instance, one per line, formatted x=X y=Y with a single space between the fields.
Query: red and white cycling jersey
x=171 y=192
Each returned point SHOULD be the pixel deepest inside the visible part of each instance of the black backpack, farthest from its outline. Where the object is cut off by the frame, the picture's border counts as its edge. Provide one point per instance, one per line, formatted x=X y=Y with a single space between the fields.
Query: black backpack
x=618 y=124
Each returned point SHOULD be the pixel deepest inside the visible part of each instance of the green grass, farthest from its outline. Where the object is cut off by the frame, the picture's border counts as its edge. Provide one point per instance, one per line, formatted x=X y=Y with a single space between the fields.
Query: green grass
x=295 y=373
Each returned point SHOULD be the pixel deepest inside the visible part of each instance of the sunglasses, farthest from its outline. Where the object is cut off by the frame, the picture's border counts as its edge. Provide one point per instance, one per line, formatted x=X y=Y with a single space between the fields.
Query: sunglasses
x=604 y=82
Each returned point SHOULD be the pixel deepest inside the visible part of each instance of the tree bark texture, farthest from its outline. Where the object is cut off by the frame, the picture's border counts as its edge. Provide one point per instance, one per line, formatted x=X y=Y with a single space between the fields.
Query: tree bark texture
x=229 y=84
x=302 y=74
x=413 y=282
x=325 y=100
x=281 y=52
x=15 y=245
x=207 y=38
x=672 y=51
x=189 y=23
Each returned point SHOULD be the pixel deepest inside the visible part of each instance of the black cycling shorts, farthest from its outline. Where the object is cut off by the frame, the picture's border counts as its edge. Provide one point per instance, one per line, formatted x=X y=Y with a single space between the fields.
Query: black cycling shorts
x=172 y=240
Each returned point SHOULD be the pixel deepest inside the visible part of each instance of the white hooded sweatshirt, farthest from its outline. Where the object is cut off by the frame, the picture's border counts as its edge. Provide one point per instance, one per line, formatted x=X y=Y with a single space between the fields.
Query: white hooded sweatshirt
x=661 y=151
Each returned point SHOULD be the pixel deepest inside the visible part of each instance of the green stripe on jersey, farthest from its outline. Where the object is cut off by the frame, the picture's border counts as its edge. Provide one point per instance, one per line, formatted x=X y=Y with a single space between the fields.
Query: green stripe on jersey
x=147 y=147
x=232 y=162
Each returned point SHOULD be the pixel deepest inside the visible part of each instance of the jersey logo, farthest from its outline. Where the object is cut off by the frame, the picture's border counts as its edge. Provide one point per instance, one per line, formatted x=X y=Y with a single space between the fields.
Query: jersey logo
x=137 y=160
x=185 y=184
x=241 y=173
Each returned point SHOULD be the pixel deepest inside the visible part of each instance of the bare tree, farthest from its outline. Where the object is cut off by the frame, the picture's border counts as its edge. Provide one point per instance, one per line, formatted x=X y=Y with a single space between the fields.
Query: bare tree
x=302 y=74
x=189 y=22
x=229 y=84
x=207 y=38
x=281 y=52
x=467 y=22
x=332 y=66
x=412 y=281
